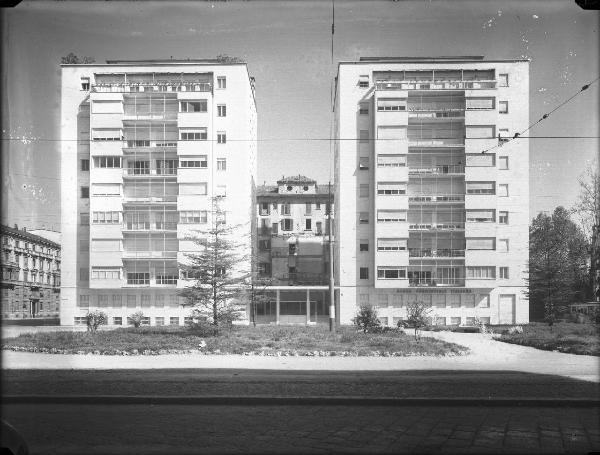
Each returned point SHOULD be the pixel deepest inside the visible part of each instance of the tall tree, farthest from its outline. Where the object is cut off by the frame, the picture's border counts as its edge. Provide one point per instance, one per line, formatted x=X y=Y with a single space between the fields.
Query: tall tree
x=73 y=59
x=219 y=285
x=557 y=263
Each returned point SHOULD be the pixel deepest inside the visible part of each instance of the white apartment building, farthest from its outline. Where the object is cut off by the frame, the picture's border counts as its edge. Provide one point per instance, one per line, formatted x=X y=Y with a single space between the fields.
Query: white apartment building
x=146 y=147
x=422 y=213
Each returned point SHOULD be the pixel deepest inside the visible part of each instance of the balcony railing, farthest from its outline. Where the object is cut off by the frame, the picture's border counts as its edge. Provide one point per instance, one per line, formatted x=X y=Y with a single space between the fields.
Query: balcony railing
x=165 y=115
x=419 y=282
x=437 y=170
x=147 y=144
x=436 y=85
x=149 y=227
x=151 y=199
x=154 y=87
x=439 y=253
x=436 y=142
x=302 y=278
x=135 y=172
x=427 y=114
x=436 y=226
x=440 y=198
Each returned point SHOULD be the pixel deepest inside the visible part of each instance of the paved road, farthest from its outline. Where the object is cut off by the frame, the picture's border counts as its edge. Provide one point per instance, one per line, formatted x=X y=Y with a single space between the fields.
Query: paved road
x=98 y=429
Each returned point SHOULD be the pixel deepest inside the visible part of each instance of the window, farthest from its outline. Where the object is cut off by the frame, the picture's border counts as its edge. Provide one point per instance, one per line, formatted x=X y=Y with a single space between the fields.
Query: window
x=193 y=217
x=117 y=320
x=382 y=300
x=287 y=224
x=200 y=162
x=221 y=190
x=221 y=164
x=363 y=163
x=192 y=189
x=106 y=273
x=264 y=269
x=363 y=218
x=391 y=160
x=363 y=81
x=481 y=243
x=391 y=188
x=173 y=321
x=85 y=192
x=193 y=134
x=117 y=300
x=221 y=110
x=221 y=137
x=106 y=134
x=308 y=224
x=363 y=245
x=480 y=187
x=102 y=301
x=390 y=273
x=364 y=273
x=503 y=273
x=503 y=217
x=481 y=272
x=479 y=103
x=264 y=245
x=391 y=216
x=138 y=278
x=85 y=165
x=131 y=301
x=481 y=160
x=107 y=161
x=105 y=217
x=480 y=132
x=503 y=163
x=106 y=189
x=85 y=83
x=221 y=82
x=391 y=104
x=503 y=190
x=193 y=106
x=264 y=209
x=391 y=244
x=159 y=320
x=480 y=216
x=138 y=143
x=455 y=320
x=363 y=190
x=285 y=209
x=503 y=107
x=502 y=80
x=483 y=301
x=363 y=136
x=84 y=219
x=503 y=245
x=363 y=109
x=145 y=300
x=79 y=320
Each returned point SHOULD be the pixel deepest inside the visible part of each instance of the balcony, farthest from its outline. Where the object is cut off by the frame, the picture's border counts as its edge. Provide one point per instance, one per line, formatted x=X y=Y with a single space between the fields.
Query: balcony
x=143 y=145
x=149 y=254
x=436 y=85
x=436 y=142
x=436 y=227
x=170 y=116
x=434 y=199
x=430 y=282
x=303 y=279
x=435 y=114
x=146 y=173
x=150 y=228
x=152 y=87
x=150 y=199
x=444 y=169
x=436 y=253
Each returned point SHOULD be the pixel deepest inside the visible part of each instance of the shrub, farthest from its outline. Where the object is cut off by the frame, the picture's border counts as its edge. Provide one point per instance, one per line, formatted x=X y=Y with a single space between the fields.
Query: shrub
x=483 y=327
x=95 y=319
x=366 y=318
x=417 y=317
x=136 y=318
x=202 y=328
x=515 y=330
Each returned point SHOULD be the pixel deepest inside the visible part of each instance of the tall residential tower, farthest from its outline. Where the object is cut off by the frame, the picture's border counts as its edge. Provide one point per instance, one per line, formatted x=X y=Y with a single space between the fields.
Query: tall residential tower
x=147 y=146
x=431 y=198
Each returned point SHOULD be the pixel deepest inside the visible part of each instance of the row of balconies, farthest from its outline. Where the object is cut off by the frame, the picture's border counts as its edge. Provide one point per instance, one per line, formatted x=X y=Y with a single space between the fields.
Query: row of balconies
x=165 y=86
x=436 y=85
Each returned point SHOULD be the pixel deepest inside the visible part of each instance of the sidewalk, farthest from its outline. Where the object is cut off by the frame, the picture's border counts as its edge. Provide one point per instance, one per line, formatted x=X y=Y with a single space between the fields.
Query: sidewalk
x=486 y=354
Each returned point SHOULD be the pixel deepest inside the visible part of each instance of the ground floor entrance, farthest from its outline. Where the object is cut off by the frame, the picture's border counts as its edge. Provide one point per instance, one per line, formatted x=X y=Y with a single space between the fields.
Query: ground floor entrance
x=306 y=306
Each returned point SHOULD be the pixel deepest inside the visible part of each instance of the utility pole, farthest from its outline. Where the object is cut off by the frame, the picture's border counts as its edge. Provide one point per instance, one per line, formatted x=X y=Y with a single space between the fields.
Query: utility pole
x=331 y=278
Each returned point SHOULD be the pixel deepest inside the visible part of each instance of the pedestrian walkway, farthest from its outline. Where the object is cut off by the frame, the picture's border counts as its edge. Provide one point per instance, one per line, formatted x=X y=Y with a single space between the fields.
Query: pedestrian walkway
x=486 y=354
x=303 y=429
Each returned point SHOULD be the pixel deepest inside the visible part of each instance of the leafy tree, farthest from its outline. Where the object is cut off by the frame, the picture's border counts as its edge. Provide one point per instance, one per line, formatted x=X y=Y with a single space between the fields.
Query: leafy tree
x=220 y=287
x=95 y=319
x=366 y=318
x=137 y=318
x=224 y=58
x=557 y=263
x=71 y=58
x=417 y=317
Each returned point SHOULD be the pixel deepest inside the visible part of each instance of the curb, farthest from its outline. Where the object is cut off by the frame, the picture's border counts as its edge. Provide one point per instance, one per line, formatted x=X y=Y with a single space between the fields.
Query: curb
x=263 y=400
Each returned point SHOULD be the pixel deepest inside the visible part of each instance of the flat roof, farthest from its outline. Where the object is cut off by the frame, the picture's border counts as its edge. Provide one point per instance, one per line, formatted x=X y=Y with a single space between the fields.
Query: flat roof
x=159 y=62
x=442 y=59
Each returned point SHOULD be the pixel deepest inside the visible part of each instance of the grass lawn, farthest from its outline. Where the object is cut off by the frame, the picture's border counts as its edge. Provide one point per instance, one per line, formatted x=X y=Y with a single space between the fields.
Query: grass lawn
x=563 y=336
x=268 y=340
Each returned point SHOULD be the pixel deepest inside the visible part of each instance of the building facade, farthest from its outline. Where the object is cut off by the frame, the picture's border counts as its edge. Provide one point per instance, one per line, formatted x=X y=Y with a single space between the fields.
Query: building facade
x=30 y=275
x=157 y=143
x=433 y=196
x=292 y=251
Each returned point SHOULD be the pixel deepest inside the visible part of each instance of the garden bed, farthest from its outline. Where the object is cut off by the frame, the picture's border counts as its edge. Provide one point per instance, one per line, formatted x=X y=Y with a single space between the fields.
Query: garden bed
x=261 y=340
x=565 y=337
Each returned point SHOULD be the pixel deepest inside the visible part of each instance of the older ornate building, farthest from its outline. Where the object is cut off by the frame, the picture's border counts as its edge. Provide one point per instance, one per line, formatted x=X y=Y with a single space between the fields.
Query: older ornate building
x=30 y=275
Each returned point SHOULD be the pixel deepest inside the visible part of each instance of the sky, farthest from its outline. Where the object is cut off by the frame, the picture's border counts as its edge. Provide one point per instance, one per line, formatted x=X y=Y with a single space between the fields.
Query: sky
x=287 y=46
